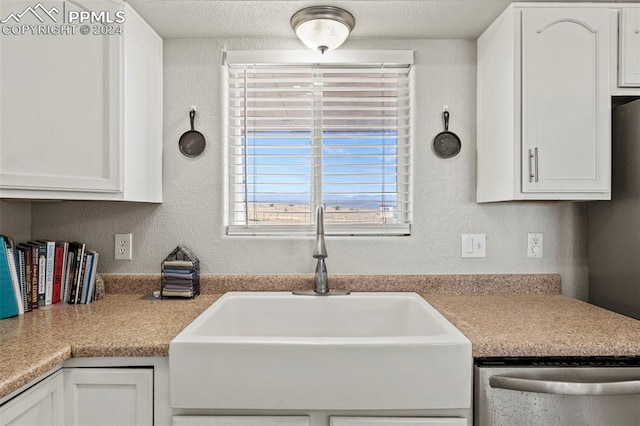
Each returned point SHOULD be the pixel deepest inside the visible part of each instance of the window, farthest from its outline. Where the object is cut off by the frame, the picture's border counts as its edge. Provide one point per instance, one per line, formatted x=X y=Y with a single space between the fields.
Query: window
x=304 y=135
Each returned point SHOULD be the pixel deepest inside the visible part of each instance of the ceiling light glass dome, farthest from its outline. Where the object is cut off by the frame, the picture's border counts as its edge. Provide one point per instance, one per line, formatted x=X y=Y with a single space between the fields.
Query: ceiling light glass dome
x=322 y=27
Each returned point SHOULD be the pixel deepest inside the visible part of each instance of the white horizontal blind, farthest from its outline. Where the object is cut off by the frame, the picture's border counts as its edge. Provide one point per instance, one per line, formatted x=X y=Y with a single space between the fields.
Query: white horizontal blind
x=308 y=135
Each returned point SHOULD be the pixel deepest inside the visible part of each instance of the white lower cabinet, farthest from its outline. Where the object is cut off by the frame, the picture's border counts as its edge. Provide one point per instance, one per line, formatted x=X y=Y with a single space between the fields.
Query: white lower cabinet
x=398 y=421
x=134 y=392
x=108 y=396
x=240 y=421
x=39 y=405
x=304 y=421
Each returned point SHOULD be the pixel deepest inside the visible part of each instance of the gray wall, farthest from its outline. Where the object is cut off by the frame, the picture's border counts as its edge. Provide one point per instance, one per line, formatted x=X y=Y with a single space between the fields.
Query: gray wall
x=444 y=190
x=15 y=219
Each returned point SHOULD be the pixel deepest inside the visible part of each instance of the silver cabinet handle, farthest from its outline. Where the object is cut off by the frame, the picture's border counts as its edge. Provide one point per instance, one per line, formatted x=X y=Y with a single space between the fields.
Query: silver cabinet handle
x=625 y=387
x=533 y=170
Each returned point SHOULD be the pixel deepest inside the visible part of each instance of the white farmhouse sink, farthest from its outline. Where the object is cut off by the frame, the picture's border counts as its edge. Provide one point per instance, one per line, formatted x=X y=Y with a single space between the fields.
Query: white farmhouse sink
x=369 y=351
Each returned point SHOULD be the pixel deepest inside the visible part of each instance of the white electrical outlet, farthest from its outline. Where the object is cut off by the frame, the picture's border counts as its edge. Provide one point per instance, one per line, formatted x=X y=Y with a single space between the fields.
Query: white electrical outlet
x=123 y=247
x=534 y=244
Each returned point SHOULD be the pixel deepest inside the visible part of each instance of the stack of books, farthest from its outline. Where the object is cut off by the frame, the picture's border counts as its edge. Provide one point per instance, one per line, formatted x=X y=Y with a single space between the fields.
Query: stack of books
x=35 y=274
x=180 y=274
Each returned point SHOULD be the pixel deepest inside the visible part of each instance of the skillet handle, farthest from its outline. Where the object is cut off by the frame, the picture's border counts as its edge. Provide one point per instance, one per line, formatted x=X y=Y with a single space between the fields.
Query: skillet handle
x=445 y=114
x=192 y=115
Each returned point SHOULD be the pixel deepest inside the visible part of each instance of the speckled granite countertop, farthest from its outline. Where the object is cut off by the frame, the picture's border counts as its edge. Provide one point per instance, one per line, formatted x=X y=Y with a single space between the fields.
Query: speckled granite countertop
x=118 y=325
x=538 y=325
x=502 y=315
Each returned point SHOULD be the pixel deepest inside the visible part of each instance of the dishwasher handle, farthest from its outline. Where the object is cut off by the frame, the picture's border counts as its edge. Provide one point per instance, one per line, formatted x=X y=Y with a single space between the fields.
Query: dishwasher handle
x=559 y=387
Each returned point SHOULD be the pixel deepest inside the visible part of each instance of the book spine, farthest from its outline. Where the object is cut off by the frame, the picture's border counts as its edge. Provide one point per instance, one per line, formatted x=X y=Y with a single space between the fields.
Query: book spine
x=74 y=280
x=86 y=278
x=34 y=276
x=92 y=284
x=22 y=277
x=8 y=303
x=14 y=279
x=78 y=275
x=71 y=257
x=57 y=274
x=81 y=273
x=42 y=268
x=65 y=270
x=51 y=247
x=26 y=255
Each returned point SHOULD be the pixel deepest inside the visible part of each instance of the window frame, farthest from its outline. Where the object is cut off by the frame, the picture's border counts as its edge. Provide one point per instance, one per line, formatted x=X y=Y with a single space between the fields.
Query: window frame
x=352 y=59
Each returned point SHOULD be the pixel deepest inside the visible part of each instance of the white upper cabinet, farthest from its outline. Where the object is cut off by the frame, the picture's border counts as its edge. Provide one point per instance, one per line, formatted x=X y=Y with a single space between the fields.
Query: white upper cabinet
x=543 y=105
x=629 y=48
x=81 y=114
x=565 y=100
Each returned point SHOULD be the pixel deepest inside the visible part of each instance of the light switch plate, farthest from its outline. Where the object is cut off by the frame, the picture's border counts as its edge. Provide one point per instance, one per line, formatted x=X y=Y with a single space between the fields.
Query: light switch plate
x=474 y=245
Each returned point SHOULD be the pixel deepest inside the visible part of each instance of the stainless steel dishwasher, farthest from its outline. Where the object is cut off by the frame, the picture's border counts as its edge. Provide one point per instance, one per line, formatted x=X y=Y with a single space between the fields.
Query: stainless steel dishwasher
x=602 y=391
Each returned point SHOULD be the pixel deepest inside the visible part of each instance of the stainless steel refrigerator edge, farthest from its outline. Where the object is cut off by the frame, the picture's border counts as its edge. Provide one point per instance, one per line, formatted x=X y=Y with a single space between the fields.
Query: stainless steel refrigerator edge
x=614 y=226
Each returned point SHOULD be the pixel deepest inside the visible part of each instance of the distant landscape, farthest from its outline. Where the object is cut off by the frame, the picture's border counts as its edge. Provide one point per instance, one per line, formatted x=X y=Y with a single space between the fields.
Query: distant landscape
x=359 y=177
x=277 y=213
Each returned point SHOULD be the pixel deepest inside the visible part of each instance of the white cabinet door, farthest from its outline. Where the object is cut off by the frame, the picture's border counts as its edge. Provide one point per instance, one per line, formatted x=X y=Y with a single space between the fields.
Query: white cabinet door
x=565 y=100
x=240 y=421
x=108 y=396
x=629 y=48
x=397 y=421
x=59 y=106
x=544 y=124
x=80 y=112
x=40 y=405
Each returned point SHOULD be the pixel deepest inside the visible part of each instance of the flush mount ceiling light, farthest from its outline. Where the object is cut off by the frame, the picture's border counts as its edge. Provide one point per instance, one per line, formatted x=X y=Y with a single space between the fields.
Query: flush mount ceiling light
x=322 y=27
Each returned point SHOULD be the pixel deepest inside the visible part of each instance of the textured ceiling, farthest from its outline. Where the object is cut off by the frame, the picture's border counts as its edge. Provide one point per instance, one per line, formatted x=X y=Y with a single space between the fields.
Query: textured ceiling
x=380 y=19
